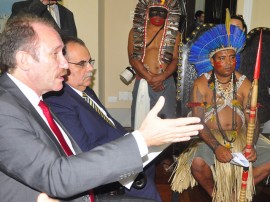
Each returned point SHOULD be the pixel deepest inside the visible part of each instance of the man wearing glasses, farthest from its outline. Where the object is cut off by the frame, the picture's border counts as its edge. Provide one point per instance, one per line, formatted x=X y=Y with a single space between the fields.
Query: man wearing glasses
x=86 y=119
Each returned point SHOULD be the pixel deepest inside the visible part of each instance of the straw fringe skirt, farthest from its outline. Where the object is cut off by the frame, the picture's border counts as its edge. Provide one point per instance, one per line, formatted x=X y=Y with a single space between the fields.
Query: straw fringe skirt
x=227 y=177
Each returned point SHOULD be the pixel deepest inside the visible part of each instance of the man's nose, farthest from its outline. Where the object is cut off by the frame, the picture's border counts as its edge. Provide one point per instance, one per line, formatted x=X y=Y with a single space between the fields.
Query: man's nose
x=229 y=61
x=90 y=67
x=63 y=63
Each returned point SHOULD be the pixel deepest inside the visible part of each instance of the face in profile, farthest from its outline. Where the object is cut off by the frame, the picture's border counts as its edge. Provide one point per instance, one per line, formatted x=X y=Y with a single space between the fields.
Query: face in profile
x=50 y=67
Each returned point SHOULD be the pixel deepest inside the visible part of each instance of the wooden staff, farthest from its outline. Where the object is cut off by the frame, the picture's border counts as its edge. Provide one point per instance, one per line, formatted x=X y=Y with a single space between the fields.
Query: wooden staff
x=252 y=120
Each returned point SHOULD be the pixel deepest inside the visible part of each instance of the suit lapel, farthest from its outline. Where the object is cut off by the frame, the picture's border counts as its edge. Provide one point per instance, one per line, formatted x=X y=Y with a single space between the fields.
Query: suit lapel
x=76 y=96
x=62 y=15
x=74 y=144
x=23 y=102
x=84 y=104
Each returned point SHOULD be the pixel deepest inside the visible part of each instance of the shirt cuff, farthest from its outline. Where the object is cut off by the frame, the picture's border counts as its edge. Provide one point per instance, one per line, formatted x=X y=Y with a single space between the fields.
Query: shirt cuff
x=140 y=142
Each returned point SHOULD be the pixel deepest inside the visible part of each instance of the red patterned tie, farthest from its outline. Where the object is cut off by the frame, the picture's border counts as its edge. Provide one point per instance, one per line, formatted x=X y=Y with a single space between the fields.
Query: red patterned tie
x=59 y=135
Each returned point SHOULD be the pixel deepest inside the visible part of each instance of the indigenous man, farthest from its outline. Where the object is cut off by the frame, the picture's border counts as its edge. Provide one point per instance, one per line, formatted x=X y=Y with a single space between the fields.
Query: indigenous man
x=152 y=49
x=220 y=97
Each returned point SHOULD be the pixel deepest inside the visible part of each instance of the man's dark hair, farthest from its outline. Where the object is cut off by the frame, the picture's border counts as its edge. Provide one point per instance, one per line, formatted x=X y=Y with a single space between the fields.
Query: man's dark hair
x=19 y=35
x=198 y=13
x=240 y=17
x=70 y=39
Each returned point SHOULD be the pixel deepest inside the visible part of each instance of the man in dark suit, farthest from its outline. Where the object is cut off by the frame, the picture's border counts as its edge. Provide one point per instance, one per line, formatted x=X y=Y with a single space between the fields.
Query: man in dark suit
x=88 y=128
x=51 y=10
x=35 y=149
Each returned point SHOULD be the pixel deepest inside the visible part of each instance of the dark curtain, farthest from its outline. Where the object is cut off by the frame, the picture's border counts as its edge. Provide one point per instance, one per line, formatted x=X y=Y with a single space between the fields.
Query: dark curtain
x=215 y=10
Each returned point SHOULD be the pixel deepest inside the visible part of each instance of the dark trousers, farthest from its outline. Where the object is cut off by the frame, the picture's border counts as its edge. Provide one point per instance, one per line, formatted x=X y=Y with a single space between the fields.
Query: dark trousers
x=103 y=198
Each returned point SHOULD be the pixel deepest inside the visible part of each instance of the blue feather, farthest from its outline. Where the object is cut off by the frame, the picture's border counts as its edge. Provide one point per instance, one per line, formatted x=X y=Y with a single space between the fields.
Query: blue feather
x=213 y=40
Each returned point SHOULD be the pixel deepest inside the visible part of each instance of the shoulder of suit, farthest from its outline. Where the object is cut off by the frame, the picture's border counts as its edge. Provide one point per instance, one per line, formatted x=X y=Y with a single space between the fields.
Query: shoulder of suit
x=63 y=8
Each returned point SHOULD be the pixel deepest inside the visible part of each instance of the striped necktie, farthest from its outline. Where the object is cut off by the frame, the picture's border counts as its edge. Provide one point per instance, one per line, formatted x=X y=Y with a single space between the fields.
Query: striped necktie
x=97 y=109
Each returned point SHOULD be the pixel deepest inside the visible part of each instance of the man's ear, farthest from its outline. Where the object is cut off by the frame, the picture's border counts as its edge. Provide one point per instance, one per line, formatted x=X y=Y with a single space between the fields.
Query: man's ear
x=23 y=60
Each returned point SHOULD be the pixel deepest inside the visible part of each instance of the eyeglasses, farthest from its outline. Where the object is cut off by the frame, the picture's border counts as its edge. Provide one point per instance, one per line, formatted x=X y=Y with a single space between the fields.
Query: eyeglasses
x=84 y=63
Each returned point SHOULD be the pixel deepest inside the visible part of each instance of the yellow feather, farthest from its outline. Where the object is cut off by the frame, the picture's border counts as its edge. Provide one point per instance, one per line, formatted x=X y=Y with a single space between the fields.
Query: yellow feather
x=162 y=2
x=228 y=22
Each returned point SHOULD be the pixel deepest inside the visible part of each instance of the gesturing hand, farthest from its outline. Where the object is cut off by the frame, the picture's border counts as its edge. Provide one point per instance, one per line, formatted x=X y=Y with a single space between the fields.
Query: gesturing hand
x=157 y=131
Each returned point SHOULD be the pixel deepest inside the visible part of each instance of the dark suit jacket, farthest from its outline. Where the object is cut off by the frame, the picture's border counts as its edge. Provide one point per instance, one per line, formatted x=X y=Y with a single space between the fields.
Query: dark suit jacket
x=32 y=161
x=67 y=22
x=87 y=127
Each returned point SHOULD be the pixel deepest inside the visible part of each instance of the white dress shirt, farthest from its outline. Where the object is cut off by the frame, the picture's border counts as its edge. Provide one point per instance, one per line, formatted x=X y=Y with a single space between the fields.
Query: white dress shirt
x=34 y=100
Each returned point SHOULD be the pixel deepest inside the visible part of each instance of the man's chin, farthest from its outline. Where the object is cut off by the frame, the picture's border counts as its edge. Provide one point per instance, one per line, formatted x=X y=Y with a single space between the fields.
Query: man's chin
x=58 y=87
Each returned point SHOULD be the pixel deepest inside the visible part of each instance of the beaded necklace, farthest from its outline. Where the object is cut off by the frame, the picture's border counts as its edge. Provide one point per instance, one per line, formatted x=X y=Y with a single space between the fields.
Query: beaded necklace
x=227 y=93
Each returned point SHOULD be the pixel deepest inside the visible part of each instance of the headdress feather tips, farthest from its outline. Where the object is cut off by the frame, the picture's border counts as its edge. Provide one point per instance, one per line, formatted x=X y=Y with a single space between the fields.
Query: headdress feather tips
x=212 y=41
x=170 y=28
x=228 y=22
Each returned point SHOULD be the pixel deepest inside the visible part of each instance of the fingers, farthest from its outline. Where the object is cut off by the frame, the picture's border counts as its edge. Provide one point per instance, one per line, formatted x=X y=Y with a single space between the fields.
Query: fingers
x=189 y=120
x=182 y=139
x=158 y=106
x=44 y=198
x=183 y=121
x=180 y=134
x=251 y=157
x=184 y=136
x=158 y=88
x=189 y=129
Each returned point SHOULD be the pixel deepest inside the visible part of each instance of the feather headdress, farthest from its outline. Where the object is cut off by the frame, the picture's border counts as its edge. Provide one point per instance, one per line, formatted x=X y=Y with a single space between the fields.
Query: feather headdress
x=214 y=40
x=170 y=27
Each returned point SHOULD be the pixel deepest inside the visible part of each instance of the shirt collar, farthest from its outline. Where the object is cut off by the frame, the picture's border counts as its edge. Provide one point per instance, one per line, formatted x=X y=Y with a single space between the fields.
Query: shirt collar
x=27 y=91
x=76 y=90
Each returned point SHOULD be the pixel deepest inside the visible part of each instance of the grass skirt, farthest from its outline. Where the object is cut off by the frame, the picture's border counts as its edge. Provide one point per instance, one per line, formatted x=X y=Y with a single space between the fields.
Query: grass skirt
x=227 y=177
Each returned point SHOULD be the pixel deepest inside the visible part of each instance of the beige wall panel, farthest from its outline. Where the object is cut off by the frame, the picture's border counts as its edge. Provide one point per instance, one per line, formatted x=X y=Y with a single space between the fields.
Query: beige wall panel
x=260 y=14
x=118 y=22
x=86 y=18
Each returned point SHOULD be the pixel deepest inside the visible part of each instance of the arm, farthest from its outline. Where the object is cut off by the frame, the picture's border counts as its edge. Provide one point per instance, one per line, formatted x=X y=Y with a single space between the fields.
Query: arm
x=29 y=155
x=222 y=153
x=136 y=64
